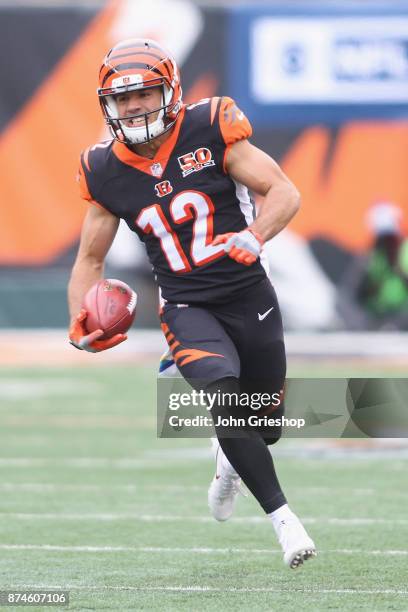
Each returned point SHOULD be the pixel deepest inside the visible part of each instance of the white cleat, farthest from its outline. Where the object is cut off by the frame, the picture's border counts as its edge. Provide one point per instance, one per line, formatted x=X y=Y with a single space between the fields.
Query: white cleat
x=297 y=546
x=224 y=487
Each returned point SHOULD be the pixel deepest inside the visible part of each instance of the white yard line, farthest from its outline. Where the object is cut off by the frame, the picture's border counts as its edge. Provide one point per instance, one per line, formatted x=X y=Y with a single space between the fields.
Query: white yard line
x=81 y=463
x=396 y=458
x=205 y=589
x=130 y=488
x=160 y=518
x=134 y=488
x=199 y=550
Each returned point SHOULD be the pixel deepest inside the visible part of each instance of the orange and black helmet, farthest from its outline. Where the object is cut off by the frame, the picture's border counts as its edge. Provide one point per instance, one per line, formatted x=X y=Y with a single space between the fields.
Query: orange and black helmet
x=135 y=64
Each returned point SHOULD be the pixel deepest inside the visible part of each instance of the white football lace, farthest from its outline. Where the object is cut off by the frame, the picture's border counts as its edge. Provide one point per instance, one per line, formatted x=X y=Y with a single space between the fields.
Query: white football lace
x=230 y=486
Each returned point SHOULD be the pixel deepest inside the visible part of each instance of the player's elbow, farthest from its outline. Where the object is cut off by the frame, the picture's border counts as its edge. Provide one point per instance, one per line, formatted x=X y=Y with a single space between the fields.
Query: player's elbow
x=292 y=198
x=295 y=199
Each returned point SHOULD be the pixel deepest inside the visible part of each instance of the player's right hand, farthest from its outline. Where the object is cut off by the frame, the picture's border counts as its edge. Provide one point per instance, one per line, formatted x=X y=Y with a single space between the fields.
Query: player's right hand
x=84 y=341
x=245 y=246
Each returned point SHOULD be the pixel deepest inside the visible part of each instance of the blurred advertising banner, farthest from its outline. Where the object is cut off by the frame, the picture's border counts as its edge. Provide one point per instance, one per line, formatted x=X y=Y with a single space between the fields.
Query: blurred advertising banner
x=328 y=66
x=349 y=60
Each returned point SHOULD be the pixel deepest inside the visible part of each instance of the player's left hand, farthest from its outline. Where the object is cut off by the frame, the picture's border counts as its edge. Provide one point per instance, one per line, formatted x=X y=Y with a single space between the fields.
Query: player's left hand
x=85 y=341
x=245 y=247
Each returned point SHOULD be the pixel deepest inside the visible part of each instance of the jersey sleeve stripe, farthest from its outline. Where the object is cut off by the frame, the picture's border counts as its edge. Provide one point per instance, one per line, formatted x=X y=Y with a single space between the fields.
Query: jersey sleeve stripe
x=224 y=161
x=85 y=157
x=83 y=185
x=214 y=105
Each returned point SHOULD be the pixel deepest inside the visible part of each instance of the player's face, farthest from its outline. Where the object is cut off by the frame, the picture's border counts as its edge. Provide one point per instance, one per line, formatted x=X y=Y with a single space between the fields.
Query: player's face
x=137 y=103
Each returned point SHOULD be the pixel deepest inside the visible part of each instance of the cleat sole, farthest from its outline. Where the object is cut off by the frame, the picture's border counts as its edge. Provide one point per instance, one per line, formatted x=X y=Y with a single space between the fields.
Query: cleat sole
x=302 y=556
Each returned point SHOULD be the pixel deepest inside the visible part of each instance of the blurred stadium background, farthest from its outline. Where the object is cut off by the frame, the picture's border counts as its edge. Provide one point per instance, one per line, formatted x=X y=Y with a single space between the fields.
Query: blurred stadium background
x=325 y=85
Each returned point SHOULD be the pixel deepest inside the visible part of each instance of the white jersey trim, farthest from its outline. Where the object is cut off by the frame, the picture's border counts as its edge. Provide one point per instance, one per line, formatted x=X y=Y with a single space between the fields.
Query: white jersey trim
x=248 y=210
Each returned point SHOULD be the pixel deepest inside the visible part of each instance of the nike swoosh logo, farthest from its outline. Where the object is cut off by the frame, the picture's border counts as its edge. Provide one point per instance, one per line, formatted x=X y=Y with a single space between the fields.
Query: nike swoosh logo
x=261 y=317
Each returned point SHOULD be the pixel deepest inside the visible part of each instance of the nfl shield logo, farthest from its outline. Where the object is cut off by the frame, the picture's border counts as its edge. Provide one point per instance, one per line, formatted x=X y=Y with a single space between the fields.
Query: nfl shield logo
x=156 y=169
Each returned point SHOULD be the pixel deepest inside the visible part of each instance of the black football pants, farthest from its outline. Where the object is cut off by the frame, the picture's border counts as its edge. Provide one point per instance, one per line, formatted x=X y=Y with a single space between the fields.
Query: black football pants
x=236 y=347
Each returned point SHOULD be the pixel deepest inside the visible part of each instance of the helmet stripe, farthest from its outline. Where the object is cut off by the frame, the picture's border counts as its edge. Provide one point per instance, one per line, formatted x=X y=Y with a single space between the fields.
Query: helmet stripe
x=132 y=53
x=130 y=66
x=142 y=59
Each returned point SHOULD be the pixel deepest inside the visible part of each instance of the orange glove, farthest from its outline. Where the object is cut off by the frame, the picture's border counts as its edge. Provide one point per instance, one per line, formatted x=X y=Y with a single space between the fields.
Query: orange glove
x=84 y=341
x=245 y=247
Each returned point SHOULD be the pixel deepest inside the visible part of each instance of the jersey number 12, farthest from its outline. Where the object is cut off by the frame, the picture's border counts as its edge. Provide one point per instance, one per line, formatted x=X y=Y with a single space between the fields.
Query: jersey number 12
x=185 y=206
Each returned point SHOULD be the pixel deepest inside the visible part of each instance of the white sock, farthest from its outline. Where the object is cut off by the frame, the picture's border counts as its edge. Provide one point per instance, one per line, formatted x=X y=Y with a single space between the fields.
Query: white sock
x=280 y=514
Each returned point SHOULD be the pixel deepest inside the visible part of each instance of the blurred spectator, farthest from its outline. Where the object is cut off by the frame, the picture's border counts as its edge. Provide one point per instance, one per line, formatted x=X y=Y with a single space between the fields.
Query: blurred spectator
x=374 y=291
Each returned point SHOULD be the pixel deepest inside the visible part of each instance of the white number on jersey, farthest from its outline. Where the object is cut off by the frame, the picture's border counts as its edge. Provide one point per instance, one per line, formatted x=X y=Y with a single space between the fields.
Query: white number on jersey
x=186 y=206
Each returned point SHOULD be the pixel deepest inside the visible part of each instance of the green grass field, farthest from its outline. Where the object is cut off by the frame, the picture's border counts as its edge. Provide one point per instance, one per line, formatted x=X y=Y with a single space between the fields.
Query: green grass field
x=92 y=502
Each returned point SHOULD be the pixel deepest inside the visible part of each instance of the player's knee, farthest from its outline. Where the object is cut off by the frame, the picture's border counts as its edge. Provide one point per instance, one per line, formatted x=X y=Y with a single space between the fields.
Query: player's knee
x=271 y=429
x=224 y=384
x=223 y=397
x=270 y=439
x=229 y=417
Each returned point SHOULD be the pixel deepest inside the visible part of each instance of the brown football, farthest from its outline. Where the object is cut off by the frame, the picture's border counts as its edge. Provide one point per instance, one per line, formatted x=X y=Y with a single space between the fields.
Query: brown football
x=111 y=306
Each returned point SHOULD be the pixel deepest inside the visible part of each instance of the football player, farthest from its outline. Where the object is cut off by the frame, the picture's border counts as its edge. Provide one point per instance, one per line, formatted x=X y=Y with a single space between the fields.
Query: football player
x=179 y=176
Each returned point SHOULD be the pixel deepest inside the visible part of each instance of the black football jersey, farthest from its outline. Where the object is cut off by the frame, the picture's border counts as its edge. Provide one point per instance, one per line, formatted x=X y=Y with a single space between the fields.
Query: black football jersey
x=180 y=200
